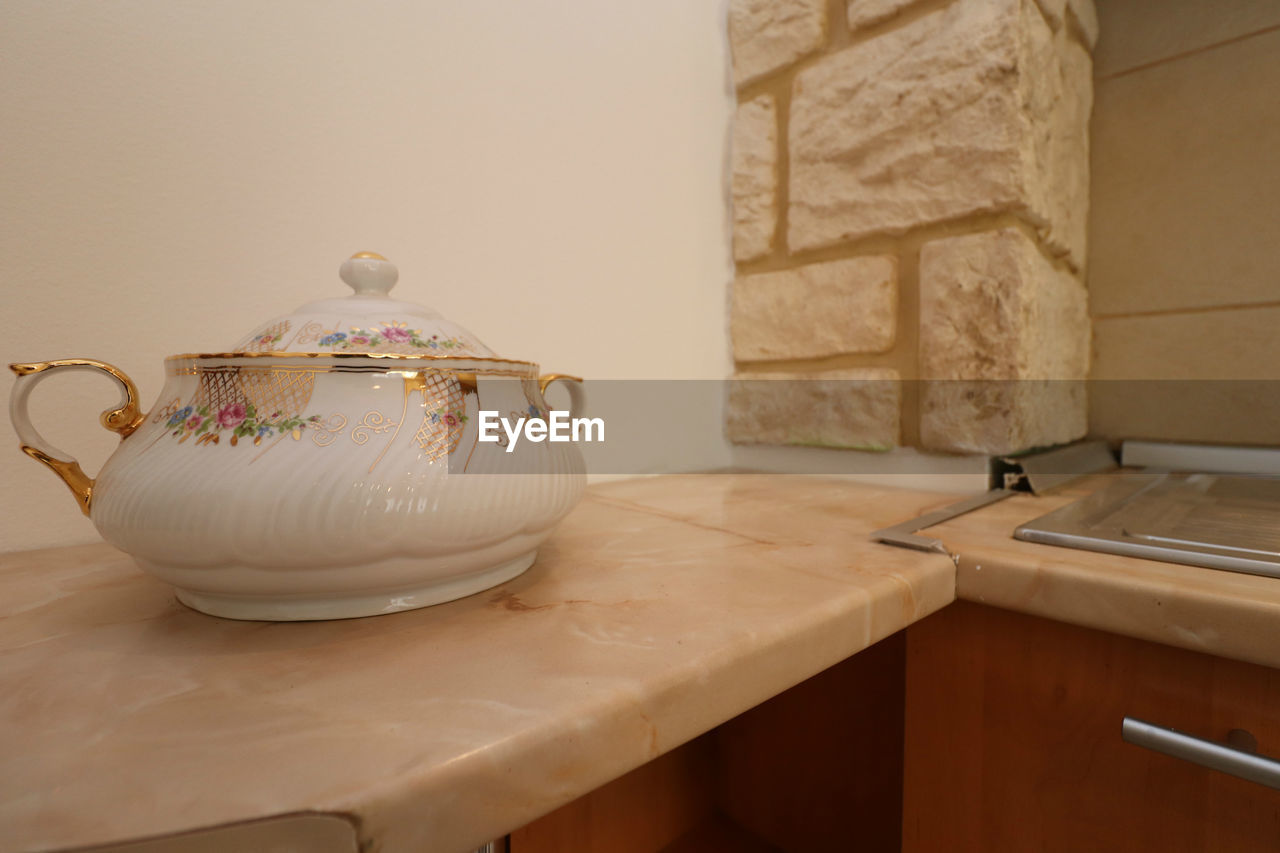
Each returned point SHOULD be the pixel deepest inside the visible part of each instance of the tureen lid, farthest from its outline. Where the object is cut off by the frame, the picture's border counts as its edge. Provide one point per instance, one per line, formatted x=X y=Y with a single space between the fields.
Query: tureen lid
x=366 y=321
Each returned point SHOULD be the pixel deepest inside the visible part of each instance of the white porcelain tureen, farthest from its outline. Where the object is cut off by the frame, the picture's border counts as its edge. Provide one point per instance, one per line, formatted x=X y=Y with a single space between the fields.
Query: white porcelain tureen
x=329 y=467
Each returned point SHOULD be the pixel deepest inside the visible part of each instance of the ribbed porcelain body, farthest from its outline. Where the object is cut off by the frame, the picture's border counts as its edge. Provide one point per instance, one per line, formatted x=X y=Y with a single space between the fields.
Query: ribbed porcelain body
x=326 y=486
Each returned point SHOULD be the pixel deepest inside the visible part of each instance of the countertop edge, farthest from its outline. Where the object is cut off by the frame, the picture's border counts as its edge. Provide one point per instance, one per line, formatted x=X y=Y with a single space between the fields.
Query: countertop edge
x=1211 y=611
x=661 y=722
x=1147 y=608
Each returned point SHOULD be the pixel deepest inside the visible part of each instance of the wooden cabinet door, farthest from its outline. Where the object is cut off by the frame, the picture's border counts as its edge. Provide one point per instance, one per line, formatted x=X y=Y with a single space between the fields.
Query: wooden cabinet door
x=1013 y=740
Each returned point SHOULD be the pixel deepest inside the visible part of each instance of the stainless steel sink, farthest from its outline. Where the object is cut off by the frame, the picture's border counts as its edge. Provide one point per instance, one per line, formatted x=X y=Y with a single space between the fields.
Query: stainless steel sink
x=1219 y=521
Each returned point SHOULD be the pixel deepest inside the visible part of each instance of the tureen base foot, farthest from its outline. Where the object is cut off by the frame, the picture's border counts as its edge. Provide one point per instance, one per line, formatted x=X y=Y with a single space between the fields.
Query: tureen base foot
x=297 y=608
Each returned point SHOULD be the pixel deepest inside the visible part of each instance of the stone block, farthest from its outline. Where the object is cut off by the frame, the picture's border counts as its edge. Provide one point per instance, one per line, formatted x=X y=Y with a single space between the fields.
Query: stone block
x=823 y=309
x=1085 y=17
x=854 y=409
x=1001 y=417
x=1054 y=11
x=953 y=114
x=1081 y=13
x=766 y=35
x=1004 y=346
x=1059 y=101
x=755 y=181
x=865 y=13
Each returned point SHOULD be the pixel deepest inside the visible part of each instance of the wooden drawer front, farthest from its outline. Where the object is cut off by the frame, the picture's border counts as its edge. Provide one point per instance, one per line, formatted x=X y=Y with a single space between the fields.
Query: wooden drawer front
x=1013 y=740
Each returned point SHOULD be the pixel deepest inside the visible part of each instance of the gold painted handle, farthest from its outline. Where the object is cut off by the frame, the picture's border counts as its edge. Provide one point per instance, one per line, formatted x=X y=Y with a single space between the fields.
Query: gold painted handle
x=573 y=384
x=123 y=419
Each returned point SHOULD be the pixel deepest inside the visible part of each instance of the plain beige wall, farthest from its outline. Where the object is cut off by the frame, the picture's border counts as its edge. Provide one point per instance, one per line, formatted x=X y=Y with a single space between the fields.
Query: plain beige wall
x=1184 y=265
x=547 y=173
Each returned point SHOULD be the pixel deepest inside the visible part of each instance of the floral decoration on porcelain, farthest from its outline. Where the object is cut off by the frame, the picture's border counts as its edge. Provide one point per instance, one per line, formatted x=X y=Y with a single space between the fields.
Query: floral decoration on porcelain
x=266 y=340
x=237 y=420
x=449 y=418
x=393 y=333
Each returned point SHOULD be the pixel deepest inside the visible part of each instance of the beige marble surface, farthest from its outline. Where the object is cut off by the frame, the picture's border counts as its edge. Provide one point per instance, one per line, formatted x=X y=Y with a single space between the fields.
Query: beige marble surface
x=659 y=609
x=1222 y=613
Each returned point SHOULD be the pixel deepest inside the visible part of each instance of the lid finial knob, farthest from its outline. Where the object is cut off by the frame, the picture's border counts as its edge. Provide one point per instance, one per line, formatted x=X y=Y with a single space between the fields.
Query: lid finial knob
x=369 y=274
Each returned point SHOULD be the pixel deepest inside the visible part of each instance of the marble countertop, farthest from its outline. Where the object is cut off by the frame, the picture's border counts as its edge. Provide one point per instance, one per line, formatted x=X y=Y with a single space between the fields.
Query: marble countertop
x=1206 y=610
x=659 y=609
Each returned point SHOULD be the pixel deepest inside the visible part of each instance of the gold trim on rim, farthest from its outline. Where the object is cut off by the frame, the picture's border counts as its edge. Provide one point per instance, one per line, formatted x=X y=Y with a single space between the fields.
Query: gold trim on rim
x=392 y=356
x=362 y=370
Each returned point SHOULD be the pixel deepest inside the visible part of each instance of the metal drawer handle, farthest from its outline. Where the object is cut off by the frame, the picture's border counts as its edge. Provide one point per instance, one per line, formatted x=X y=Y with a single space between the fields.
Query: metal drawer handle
x=1206 y=753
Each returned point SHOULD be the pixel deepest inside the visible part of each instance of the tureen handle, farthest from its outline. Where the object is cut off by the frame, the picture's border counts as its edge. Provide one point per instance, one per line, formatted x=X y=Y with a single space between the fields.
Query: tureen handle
x=123 y=419
x=572 y=384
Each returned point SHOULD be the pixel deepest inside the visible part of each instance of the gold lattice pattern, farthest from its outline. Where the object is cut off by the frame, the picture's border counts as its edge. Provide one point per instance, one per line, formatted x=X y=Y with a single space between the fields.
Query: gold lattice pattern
x=271 y=391
x=443 y=410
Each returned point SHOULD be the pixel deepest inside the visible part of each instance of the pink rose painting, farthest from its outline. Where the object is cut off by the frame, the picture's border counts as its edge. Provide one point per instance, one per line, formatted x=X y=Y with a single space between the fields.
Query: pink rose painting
x=231 y=415
x=195 y=422
x=396 y=334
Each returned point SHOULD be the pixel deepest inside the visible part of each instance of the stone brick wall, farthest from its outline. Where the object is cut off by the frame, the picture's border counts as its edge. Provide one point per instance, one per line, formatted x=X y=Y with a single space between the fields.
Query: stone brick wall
x=910 y=188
